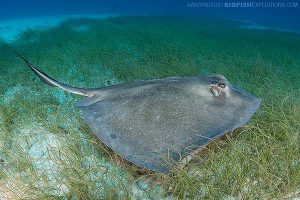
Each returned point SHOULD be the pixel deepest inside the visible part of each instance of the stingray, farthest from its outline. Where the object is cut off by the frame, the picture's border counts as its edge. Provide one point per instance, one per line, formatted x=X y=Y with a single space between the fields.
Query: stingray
x=156 y=123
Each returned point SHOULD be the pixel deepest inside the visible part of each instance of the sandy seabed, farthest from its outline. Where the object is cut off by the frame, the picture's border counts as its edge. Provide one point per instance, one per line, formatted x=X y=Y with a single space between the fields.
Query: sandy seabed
x=11 y=28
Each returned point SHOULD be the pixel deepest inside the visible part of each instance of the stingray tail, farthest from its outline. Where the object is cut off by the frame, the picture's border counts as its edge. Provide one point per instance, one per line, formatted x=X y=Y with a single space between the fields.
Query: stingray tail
x=54 y=83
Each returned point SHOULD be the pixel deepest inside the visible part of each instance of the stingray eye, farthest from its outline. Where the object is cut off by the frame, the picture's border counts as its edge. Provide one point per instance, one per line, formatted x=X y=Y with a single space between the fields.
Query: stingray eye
x=222 y=85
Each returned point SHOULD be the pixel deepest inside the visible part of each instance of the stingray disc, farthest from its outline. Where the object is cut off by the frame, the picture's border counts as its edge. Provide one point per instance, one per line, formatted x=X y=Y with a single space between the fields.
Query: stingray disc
x=154 y=123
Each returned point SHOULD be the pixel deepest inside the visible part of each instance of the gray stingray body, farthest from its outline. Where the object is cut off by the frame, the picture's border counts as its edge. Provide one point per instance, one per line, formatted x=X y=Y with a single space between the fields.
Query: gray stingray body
x=155 y=123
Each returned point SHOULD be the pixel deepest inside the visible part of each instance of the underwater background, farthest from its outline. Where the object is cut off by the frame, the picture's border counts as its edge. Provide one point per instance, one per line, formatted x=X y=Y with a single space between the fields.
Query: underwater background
x=48 y=152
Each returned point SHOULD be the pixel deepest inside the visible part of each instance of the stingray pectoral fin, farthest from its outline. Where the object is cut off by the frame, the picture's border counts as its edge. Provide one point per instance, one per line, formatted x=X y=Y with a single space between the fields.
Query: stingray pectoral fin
x=54 y=83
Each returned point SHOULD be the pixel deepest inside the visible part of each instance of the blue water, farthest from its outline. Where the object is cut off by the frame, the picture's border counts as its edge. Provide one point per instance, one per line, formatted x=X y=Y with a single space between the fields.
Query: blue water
x=280 y=16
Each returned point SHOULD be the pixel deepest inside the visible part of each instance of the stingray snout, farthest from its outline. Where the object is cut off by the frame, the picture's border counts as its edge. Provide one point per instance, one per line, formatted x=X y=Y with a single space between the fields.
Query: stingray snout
x=220 y=89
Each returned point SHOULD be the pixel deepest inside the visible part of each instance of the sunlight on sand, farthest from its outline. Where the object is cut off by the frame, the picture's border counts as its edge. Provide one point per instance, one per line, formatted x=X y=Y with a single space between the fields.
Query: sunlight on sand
x=10 y=29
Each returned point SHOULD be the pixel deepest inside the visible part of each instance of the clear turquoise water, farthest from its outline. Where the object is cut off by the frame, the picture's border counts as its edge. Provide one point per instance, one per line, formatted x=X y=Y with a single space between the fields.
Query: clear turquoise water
x=284 y=14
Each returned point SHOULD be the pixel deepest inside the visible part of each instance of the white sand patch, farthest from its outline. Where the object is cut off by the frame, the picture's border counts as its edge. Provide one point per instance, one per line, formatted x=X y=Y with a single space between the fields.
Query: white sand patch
x=36 y=141
x=10 y=189
x=254 y=25
x=11 y=28
x=293 y=196
x=9 y=95
x=248 y=24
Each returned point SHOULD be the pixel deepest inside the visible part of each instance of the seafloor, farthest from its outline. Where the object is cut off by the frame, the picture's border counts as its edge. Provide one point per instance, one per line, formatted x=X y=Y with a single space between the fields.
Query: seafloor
x=48 y=152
